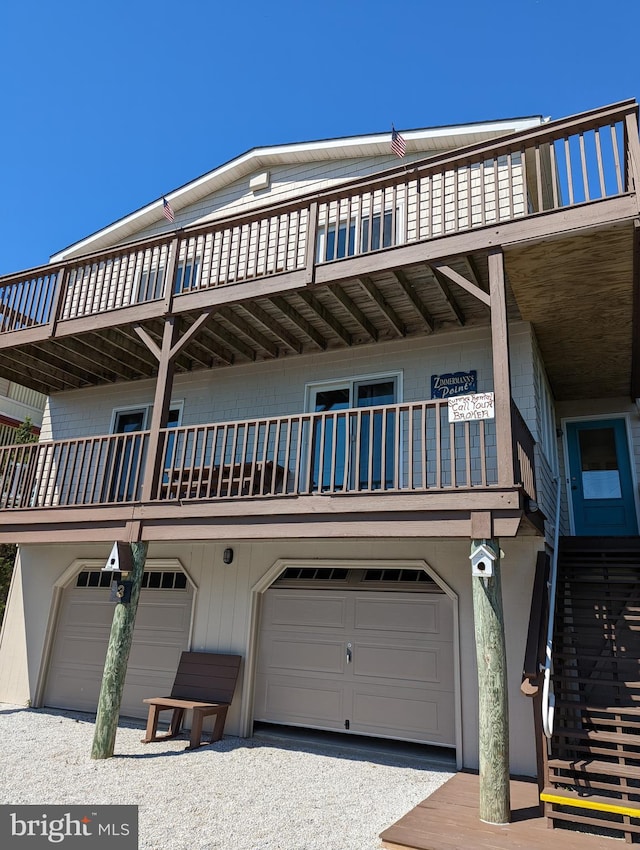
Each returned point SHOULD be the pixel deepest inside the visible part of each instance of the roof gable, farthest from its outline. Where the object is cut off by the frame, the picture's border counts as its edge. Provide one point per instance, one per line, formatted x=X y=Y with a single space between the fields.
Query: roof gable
x=202 y=198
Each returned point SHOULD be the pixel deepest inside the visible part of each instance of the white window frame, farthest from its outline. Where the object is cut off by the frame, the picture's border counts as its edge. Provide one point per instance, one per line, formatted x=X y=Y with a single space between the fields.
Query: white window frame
x=146 y=410
x=358 y=219
x=312 y=387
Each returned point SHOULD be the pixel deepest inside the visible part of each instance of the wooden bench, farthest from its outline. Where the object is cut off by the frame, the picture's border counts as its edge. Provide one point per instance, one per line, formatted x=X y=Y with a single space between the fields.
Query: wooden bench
x=238 y=479
x=204 y=683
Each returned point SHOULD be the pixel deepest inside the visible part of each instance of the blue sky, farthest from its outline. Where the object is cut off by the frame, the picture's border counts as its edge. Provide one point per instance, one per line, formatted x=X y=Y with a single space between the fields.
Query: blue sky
x=107 y=106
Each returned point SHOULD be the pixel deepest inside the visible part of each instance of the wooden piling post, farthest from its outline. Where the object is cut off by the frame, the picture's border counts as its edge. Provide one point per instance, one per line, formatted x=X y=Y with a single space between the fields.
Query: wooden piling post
x=495 y=802
x=115 y=665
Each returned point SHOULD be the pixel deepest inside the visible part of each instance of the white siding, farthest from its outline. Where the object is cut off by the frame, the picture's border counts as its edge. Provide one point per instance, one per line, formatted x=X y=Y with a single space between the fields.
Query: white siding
x=455 y=200
x=277 y=388
x=287 y=181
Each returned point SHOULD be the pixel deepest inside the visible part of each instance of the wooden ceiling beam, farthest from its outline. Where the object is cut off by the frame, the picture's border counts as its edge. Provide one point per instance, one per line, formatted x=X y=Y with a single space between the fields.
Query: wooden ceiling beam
x=26 y=378
x=269 y=348
x=324 y=315
x=467 y=285
x=86 y=354
x=443 y=288
x=65 y=366
x=354 y=311
x=388 y=312
x=120 y=339
x=232 y=342
x=270 y=323
x=207 y=343
x=65 y=377
x=412 y=295
x=306 y=327
x=95 y=345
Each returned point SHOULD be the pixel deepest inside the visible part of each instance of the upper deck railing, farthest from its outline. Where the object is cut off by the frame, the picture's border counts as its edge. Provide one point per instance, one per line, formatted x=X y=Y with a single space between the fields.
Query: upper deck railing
x=555 y=166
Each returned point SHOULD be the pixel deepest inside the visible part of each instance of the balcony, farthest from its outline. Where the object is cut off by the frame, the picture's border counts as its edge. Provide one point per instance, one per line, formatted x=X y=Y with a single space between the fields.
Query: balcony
x=481 y=236
x=393 y=255
x=398 y=449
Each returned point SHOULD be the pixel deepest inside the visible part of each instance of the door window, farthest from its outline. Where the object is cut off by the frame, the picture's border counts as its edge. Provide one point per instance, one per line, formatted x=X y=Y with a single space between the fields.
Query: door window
x=354 y=450
x=599 y=464
x=125 y=459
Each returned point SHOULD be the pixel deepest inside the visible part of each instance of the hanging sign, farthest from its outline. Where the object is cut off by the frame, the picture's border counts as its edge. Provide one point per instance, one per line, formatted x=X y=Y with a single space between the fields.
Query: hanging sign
x=454 y=383
x=466 y=407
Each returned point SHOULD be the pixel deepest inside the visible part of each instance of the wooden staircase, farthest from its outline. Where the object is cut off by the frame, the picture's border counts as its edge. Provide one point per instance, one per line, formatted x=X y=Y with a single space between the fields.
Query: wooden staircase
x=593 y=765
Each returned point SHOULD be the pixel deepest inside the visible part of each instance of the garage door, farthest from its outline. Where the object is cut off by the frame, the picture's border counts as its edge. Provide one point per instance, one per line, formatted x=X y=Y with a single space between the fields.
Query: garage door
x=161 y=633
x=373 y=663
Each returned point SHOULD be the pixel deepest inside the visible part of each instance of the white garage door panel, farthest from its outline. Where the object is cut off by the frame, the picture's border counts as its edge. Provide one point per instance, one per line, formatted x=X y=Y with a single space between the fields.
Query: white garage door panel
x=305 y=609
x=77 y=660
x=398 y=683
x=304 y=654
x=302 y=702
x=78 y=690
x=90 y=612
x=161 y=617
x=403 y=615
x=430 y=715
x=414 y=664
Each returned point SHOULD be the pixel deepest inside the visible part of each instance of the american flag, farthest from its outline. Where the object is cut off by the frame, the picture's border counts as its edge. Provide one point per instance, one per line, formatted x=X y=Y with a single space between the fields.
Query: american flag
x=398 y=144
x=167 y=211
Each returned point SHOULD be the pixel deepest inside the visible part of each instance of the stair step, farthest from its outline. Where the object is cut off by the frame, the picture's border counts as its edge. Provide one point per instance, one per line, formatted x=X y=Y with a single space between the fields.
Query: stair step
x=600 y=681
x=600 y=737
x=580 y=800
x=599 y=709
x=582 y=767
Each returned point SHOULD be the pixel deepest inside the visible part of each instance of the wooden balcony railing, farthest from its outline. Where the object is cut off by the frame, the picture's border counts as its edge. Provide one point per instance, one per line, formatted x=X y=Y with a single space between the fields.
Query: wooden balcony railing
x=395 y=448
x=551 y=167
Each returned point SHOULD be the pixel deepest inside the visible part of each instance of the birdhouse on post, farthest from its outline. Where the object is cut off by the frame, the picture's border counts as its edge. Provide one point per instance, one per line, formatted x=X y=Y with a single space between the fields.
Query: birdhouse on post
x=119 y=561
x=482 y=558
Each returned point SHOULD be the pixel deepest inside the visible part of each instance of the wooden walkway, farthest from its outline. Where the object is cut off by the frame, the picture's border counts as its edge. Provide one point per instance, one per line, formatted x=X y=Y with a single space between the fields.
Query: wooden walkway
x=448 y=820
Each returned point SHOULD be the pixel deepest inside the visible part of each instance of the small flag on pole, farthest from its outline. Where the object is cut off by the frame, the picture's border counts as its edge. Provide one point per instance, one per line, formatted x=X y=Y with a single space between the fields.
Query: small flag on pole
x=398 y=144
x=167 y=211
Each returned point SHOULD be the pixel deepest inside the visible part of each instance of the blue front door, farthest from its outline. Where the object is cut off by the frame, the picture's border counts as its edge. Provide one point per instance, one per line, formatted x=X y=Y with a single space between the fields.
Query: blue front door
x=600 y=478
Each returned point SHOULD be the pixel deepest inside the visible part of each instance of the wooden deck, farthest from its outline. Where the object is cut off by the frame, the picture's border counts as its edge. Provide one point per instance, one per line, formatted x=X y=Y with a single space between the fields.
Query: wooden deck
x=448 y=820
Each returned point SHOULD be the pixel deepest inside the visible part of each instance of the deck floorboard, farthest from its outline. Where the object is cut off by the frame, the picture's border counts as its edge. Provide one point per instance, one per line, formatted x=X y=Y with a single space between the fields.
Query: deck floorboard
x=448 y=820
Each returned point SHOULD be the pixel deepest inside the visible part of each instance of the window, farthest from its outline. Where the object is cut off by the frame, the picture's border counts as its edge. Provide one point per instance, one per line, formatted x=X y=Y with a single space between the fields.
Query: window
x=150 y=284
x=354 y=451
x=187 y=275
x=126 y=456
x=338 y=241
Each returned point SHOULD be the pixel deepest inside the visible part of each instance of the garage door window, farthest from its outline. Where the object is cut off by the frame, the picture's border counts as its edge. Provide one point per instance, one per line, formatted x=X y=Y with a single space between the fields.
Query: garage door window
x=153 y=579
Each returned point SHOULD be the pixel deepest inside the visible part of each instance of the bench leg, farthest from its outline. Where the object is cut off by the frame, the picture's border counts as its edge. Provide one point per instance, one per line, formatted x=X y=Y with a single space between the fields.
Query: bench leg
x=152 y=724
x=151 y=733
x=218 y=727
x=196 y=729
x=195 y=738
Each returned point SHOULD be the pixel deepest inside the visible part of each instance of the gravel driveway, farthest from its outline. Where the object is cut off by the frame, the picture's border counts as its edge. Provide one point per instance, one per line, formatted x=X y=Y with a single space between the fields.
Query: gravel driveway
x=261 y=793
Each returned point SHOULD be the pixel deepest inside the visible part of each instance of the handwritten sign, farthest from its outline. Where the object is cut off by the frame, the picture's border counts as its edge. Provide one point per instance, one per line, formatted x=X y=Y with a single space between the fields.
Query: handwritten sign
x=466 y=407
x=454 y=383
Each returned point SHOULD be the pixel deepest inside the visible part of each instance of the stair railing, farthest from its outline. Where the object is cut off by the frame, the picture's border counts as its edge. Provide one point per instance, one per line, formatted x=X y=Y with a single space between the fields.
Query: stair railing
x=548 y=696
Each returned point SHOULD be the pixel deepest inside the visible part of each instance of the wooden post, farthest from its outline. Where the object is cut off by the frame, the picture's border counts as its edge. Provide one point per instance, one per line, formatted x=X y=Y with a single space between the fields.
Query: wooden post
x=501 y=371
x=115 y=665
x=493 y=714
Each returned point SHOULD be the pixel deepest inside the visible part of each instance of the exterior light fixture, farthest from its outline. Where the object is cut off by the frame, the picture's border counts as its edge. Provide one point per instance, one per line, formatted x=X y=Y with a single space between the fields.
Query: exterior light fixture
x=227 y=556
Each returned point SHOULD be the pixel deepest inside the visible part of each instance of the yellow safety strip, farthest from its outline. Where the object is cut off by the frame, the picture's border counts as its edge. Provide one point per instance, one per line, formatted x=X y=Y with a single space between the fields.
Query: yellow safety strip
x=586 y=803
